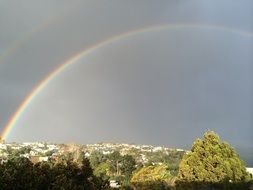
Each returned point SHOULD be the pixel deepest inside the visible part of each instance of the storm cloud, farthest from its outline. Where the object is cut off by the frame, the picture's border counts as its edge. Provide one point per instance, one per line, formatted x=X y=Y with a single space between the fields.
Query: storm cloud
x=163 y=87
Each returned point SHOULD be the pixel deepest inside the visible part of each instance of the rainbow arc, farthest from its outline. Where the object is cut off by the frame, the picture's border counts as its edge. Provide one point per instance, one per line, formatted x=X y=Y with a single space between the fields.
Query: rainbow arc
x=72 y=60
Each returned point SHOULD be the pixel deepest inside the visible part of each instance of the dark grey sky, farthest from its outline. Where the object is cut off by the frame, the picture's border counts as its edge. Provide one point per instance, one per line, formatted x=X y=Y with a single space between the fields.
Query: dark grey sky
x=163 y=87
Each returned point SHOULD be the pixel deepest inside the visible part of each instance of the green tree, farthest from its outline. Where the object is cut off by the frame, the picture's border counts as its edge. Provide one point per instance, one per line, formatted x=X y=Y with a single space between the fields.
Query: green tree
x=102 y=169
x=114 y=160
x=25 y=150
x=20 y=173
x=127 y=166
x=17 y=173
x=96 y=158
x=43 y=173
x=212 y=161
x=154 y=177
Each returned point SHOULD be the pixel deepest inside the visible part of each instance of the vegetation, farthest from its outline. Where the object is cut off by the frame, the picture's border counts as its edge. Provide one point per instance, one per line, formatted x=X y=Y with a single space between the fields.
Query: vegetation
x=152 y=177
x=113 y=166
x=212 y=162
x=20 y=173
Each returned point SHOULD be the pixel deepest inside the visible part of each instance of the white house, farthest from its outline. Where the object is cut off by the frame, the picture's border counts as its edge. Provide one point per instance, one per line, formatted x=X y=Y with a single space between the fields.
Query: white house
x=156 y=149
x=3 y=146
x=114 y=184
x=45 y=159
x=250 y=170
x=87 y=154
x=107 y=152
x=25 y=155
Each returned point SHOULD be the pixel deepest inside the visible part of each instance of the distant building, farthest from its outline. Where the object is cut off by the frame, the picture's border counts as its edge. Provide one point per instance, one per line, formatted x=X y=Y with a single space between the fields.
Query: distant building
x=107 y=152
x=34 y=159
x=156 y=149
x=25 y=155
x=87 y=154
x=114 y=184
x=43 y=159
x=250 y=170
x=1 y=140
x=3 y=146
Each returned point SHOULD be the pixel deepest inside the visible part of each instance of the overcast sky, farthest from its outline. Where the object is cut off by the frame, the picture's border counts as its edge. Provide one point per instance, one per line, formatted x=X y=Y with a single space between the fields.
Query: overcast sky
x=162 y=87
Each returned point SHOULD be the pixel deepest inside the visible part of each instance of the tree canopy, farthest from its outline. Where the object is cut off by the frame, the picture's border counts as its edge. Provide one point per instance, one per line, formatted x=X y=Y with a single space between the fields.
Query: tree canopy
x=21 y=173
x=212 y=161
x=151 y=177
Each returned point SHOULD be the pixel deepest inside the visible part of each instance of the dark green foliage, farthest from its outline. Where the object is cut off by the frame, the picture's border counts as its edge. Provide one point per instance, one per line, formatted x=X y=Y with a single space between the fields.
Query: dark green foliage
x=127 y=166
x=114 y=160
x=17 y=173
x=151 y=185
x=96 y=158
x=113 y=166
x=43 y=172
x=212 y=161
x=22 y=174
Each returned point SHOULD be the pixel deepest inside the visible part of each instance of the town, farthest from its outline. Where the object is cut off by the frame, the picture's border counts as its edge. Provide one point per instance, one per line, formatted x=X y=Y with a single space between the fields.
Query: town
x=42 y=151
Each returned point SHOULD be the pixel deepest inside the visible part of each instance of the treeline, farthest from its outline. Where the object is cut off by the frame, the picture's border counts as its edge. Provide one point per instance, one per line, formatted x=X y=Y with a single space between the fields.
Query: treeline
x=20 y=173
x=127 y=169
x=211 y=164
x=102 y=168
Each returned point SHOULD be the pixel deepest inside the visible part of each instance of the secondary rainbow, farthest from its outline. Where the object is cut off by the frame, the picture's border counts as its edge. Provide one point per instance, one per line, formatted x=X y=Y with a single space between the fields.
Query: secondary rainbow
x=40 y=27
x=28 y=100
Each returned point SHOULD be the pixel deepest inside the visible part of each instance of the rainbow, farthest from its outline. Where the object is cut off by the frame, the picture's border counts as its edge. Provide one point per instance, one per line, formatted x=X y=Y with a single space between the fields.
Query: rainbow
x=17 y=44
x=41 y=85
